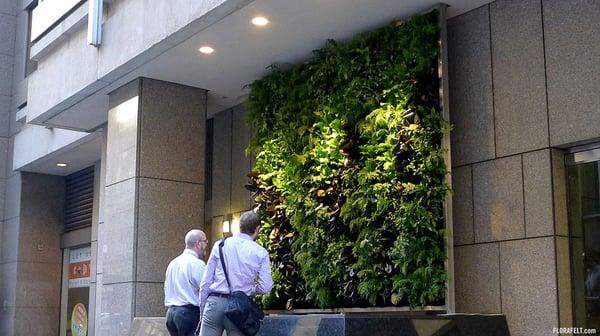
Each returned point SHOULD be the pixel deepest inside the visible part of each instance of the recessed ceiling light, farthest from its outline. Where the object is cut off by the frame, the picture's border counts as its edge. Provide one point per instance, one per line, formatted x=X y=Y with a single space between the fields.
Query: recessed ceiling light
x=260 y=21
x=61 y=164
x=206 y=50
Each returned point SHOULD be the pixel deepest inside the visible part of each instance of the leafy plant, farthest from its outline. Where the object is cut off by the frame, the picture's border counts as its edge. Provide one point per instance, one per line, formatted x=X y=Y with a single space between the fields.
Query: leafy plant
x=349 y=172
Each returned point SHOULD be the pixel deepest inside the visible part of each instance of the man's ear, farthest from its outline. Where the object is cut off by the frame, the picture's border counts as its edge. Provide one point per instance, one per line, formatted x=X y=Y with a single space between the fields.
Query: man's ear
x=256 y=231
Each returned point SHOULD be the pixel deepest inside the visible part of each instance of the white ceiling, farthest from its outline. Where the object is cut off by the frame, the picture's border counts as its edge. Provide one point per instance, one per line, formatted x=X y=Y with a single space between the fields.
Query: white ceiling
x=243 y=51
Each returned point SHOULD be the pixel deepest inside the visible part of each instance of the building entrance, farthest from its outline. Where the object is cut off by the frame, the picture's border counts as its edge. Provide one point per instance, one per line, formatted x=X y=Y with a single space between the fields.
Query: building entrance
x=584 y=220
x=76 y=291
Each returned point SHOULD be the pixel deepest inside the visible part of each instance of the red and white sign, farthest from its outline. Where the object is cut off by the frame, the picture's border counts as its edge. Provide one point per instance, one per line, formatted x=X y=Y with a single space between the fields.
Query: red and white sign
x=79 y=267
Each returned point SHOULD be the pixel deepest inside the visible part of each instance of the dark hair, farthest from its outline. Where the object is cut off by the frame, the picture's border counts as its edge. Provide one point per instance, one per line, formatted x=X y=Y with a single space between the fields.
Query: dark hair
x=249 y=221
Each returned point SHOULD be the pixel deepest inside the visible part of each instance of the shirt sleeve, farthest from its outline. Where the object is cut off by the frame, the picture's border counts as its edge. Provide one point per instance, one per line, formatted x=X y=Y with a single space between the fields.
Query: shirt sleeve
x=167 y=277
x=198 y=273
x=265 y=281
x=208 y=277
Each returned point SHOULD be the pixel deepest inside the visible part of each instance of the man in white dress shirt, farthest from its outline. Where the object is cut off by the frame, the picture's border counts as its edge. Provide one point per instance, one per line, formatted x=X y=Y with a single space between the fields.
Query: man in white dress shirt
x=182 y=284
x=249 y=270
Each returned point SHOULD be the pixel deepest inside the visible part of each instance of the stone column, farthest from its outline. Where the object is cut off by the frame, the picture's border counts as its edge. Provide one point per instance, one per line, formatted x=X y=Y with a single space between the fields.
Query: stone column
x=31 y=256
x=230 y=167
x=30 y=204
x=154 y=194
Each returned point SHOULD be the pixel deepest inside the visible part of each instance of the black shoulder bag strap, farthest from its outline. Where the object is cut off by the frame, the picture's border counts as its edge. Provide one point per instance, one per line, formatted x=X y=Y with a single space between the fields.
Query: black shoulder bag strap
x=221 y=244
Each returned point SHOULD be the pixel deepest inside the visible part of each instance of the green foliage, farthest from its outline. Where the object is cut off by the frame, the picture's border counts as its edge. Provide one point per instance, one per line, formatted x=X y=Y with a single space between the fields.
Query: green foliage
x=349 y=172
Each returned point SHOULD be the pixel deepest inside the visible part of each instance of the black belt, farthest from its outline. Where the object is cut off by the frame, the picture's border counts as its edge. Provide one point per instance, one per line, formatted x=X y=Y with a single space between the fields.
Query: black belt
x=187 y=306
x=223 y=295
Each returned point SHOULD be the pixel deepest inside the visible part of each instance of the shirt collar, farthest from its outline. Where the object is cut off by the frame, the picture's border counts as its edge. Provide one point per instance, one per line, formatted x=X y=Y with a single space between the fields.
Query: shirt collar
x=192 y=252
x=244 y=236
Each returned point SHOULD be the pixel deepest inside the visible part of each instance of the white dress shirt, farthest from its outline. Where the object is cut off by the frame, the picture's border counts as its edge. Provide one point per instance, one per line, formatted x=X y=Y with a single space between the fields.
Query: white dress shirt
x=182 y=279
x=248 y=268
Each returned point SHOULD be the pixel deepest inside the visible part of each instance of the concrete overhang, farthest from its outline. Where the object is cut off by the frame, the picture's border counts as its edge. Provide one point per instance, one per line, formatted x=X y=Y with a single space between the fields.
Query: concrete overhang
x=242 y=51
x=41 y=149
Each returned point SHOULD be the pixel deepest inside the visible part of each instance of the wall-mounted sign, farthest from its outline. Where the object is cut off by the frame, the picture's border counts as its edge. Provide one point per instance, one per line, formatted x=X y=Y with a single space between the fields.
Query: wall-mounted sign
x=79 y=267
x=79 y=320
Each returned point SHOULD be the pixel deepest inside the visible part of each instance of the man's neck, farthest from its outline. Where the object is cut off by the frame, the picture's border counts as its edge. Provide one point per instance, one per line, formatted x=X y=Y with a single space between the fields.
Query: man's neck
x=191 y=251
x=245 y=236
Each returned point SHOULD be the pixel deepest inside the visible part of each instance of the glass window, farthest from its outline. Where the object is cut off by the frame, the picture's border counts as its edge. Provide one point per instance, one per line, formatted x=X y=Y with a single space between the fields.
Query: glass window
x=30 y=65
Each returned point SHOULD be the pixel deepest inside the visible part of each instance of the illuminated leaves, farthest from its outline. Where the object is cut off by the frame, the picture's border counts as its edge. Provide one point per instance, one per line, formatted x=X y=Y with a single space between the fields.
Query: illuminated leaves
x=349 y=172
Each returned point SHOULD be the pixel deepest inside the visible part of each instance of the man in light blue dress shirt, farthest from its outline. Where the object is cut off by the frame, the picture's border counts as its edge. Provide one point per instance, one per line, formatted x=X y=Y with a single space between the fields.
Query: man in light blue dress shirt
x=249 y=270
x=182 y=285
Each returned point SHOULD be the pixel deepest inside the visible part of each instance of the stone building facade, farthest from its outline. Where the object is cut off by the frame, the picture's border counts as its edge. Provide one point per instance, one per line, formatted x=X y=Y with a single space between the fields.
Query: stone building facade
x=166 y=142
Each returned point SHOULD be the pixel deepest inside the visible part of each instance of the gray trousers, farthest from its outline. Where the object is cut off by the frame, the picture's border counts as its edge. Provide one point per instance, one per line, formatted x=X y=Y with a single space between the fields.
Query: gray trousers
x=214 y=320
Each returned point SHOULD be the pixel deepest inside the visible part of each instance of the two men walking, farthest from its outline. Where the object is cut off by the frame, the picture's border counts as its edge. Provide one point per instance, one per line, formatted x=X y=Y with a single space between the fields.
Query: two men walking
x=248 y=269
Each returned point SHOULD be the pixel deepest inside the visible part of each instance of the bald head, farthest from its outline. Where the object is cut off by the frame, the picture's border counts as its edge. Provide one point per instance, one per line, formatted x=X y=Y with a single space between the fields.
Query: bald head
x=193 y=237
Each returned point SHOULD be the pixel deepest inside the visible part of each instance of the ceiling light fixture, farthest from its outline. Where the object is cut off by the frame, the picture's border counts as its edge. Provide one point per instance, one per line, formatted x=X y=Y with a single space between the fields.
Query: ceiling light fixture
x=206 y=50
x=61 y=164
x=260 y=21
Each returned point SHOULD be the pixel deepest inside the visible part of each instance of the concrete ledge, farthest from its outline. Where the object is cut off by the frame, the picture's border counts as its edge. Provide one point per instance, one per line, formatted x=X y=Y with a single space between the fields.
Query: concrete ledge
x=397 y=324
x=155 y=326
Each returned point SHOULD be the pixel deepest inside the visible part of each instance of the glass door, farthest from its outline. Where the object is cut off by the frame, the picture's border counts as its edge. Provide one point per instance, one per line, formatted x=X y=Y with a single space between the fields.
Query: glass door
x=76 y=291
x=583 y=171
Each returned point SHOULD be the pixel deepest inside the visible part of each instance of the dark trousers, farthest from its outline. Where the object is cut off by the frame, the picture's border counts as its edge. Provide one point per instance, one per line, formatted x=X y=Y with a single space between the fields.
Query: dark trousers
x=182 y=321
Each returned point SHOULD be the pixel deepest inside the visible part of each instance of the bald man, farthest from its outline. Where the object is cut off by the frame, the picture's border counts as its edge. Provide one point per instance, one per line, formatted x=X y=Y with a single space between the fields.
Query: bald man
x=182 y=283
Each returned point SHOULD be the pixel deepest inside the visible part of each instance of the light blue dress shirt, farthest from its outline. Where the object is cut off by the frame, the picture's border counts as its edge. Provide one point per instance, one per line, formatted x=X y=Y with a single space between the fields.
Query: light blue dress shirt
x=248 y=267
x=182 y=279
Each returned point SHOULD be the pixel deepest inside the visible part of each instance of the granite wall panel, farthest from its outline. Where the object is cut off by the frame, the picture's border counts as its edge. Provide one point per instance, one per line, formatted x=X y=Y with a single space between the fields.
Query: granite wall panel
x=168 y=210
x=4 y=116
x=36 y=321
x=115 y=309
x=537 y=184
x=563 y=270
x=7 y=33
x=8 y=7
x=498 y=199
x=2 y=197
x=477 y=277
x=122 y=134
x=8 y=285
x=572 y=37
x=470 y=81
x=222 y=163
x=240 y=162
x=521 y=118
x=172 y=131
x=116 y=236
x=528 y=280
x=37 y=285
x=559 y=183
x=10 y=240
x=149 y=300
x=462 y=205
